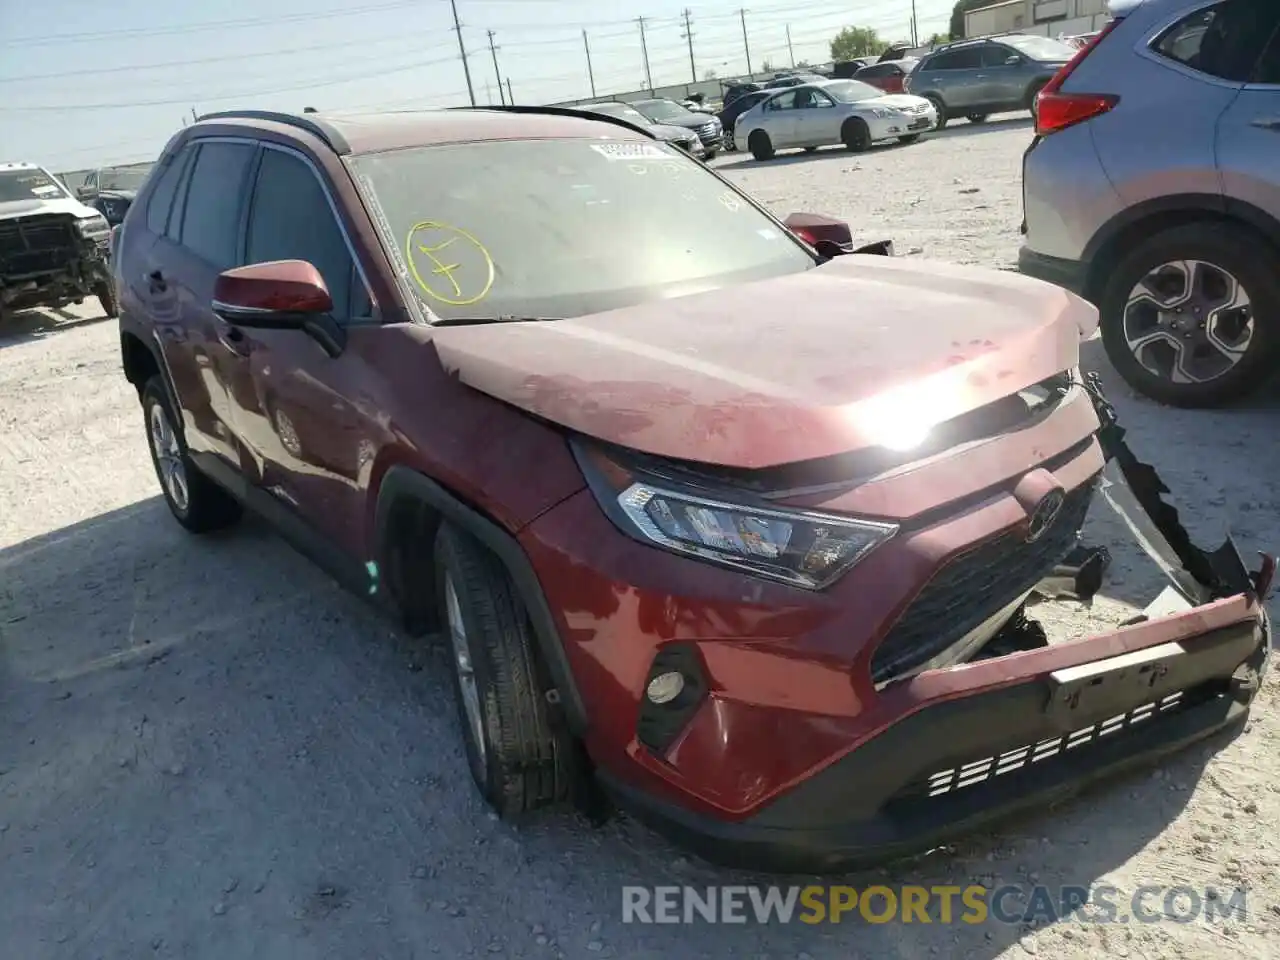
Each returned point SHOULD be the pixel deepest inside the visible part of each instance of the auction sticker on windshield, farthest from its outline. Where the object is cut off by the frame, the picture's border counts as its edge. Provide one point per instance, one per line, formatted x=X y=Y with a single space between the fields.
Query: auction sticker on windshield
x=630 y=151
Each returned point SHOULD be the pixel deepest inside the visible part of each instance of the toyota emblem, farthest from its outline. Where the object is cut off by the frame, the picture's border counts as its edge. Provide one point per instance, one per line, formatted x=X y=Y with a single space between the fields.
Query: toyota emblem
x=1044 y=514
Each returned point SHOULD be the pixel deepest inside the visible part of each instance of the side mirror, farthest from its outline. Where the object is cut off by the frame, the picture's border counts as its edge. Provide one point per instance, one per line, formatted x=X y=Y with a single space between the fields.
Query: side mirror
x=279 y=295
x=84 y=193
x=1013 y=60
x=814 y=228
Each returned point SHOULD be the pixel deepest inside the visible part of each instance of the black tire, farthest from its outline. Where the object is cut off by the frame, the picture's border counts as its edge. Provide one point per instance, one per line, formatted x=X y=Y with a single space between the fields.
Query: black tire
x=977 y=117
x=855 y=135
x=1256 y=266
x=107 y=297
x=909 y=138
x=524 y=762
x=709 y=156
x=208 y=507
x=760 y=145
x=941 y=107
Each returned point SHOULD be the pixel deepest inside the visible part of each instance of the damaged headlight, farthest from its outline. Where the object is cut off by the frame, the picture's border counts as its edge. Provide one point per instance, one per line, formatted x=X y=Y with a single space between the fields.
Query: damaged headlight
x=93 y=228
x=798 y=547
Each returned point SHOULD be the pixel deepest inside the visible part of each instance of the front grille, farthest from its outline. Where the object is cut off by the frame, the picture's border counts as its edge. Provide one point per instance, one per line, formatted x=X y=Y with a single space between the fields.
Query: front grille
x=36 y=244
x=1030 y=755
x=708 y=132
x=919 y=124
x=974 y=587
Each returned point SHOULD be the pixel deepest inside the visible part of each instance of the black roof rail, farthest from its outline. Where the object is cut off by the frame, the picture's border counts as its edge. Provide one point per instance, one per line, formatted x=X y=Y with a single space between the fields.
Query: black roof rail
x=326 y=132
x=567 y=112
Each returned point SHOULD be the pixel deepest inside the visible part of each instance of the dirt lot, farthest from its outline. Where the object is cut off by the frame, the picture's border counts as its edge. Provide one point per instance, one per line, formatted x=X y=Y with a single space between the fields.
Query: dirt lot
x=207 y=750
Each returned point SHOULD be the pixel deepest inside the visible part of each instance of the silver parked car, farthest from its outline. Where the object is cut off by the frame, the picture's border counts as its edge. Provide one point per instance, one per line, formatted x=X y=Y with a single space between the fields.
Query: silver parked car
x=829 y=112
x=976 y=78
x=682 y=137
x=1153 y=189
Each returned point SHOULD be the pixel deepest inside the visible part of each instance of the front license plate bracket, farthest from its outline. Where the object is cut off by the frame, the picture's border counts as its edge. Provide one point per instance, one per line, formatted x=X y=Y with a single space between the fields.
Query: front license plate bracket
x=1090 y=692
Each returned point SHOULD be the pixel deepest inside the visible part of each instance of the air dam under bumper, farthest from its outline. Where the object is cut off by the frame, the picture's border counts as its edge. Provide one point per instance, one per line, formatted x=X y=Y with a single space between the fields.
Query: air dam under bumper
x=958 y=764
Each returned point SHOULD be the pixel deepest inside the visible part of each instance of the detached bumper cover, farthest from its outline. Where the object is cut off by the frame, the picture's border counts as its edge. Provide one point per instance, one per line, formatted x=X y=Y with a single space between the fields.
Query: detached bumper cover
x=1054 y=721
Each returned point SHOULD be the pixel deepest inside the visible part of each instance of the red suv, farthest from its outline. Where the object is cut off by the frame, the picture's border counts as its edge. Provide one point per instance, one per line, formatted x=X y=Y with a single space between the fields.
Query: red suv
x=718 y=522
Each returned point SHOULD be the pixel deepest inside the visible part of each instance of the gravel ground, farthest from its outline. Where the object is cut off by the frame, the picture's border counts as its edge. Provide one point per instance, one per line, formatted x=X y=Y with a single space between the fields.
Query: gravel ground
x=210 y=751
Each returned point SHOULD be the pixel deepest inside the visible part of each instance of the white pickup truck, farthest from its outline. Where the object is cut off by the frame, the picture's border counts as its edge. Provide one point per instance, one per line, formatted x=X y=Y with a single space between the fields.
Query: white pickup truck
x=53 y=248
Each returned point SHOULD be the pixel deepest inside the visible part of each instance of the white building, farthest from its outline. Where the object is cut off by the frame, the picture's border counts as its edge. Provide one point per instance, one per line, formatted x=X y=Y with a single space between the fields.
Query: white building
x=1046 y=17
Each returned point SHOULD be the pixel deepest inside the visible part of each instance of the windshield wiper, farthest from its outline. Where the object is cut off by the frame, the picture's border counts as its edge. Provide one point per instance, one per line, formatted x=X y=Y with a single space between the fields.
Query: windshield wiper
x=502 y=318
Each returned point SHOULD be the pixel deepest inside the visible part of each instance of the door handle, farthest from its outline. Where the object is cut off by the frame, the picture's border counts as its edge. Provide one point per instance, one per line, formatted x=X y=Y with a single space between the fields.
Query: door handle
x=156 y=282
x=233 y=339
x=1268 y=123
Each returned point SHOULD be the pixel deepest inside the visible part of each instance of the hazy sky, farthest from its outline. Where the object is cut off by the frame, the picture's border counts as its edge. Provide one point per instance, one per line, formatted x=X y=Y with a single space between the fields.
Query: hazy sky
x=87 y=82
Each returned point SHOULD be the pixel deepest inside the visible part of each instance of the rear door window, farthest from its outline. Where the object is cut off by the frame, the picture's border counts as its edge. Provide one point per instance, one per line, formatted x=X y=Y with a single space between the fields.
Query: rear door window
x=290 y=219
x=1225 y=40
x=166 y=189
x=969 y=58
x=211 y=217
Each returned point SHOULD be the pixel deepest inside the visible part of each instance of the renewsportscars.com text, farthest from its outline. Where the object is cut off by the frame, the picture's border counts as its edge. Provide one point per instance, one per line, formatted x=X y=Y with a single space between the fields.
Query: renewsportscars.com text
x=973 y=904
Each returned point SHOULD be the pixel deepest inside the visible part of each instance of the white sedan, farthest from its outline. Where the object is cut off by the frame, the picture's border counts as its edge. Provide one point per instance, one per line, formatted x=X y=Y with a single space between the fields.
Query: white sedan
x=828 y=112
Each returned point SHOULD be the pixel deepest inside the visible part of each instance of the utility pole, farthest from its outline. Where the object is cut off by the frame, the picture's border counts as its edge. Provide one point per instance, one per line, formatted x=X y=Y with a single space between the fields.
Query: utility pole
x=462 y=50
x=688 y=36
x=493 y=52
x=644 y=48
x=510 y=98
x=591 y=74
x=194 y=116
x=746 y=45
x=790 y=50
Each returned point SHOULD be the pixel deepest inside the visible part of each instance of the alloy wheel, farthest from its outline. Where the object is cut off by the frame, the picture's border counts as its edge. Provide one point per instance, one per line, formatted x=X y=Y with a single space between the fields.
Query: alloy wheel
x=1188 y=321
x=465 y=670
x=169 y=462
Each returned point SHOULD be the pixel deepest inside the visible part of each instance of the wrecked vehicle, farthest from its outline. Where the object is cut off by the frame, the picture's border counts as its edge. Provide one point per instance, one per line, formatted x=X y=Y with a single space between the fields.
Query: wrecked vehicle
x=112 y=190
x=53 y=248
x=718 y=517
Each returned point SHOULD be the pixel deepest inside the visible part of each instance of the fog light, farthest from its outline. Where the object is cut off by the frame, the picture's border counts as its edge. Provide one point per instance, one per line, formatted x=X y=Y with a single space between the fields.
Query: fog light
x=665 y=687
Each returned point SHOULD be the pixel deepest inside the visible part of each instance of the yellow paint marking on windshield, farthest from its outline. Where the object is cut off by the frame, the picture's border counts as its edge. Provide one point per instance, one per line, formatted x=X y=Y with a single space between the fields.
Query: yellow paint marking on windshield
x=470 y=270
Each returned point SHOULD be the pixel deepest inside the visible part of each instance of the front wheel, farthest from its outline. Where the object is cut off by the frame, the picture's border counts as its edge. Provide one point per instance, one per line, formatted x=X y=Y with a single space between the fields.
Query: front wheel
x=106 y=295
x=941 y=109
x=709 y=156
x=517 y=759
x=855 y=135
x=1191 y=317
x=195 y=501
x=760 y=145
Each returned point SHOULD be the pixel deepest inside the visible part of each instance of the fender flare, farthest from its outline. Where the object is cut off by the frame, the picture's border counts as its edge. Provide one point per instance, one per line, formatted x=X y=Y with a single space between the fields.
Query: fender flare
x=401 y=481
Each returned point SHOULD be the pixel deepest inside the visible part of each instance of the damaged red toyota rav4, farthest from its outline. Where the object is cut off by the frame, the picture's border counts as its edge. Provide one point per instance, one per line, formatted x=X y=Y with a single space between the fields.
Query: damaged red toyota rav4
x=721 y=519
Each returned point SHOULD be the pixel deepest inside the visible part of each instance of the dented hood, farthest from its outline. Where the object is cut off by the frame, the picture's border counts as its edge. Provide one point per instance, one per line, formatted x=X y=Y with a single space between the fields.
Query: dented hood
x=862 y=351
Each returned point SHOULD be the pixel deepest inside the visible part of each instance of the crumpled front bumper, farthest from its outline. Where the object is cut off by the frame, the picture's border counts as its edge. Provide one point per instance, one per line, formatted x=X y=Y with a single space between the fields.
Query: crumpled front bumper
x=954 y=749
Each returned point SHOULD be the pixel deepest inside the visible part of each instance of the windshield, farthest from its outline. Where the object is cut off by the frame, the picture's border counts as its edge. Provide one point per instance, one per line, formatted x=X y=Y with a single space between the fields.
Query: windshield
x=660 y=111
x=851 y=91
x=123 y=179
x=28 y=185
x=621 y=111
x=1040 y=48
x=563 y=228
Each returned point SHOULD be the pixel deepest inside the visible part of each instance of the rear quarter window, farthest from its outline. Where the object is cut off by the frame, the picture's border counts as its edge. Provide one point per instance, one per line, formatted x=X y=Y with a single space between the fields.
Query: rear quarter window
x=1225 y=40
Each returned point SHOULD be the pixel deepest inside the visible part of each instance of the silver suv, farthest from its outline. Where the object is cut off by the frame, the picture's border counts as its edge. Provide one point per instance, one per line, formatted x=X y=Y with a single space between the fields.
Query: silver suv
x=1152 y=189
x=976 y=78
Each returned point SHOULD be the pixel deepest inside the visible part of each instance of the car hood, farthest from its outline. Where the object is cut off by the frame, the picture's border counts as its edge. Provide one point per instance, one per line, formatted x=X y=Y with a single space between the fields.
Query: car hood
x=22 y=208
x=668 y=131
x=809 y=365
x=692 y=122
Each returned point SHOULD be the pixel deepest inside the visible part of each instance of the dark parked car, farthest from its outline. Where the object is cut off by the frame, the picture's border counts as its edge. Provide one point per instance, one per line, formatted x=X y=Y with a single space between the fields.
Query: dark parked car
x=731 y=112
x=847 y=69
x=693 y=522
x=732 y=91
x=669 y=112
x=111 y=190
x=683 y=137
